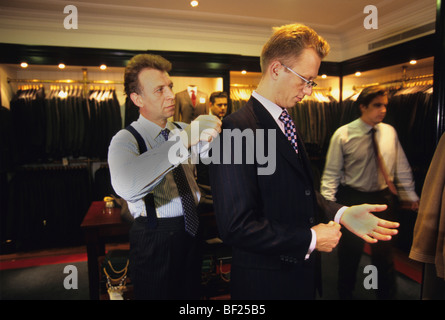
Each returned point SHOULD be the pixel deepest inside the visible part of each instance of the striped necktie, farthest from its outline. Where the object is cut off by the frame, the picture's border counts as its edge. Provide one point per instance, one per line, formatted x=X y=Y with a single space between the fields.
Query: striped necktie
x=188 y=202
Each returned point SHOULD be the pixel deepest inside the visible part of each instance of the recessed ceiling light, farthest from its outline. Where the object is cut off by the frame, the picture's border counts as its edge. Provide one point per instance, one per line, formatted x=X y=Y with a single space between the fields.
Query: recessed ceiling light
x=103 y=67
x=194 y=3
x=24 y=65
x=61 y=66
x=413 y=62
x=358 y=74
x=244 y=72
x=324 y=76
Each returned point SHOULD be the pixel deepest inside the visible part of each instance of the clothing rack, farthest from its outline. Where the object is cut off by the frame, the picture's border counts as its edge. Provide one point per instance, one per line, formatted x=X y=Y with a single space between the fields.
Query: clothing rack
x=328 y=89
x=85 y=81
x=249 y=86
x=402 y=82
x=65 y=162
x=238 y=85
x=66 y=81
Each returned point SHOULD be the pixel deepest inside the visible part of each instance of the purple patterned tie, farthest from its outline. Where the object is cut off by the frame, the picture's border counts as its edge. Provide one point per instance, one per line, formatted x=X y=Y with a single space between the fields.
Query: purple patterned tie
x=188 y=202
x=289 y=129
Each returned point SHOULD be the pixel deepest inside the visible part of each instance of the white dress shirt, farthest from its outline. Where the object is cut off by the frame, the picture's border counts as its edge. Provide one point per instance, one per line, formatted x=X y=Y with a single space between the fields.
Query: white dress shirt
x=351 y=161
x=134 y=175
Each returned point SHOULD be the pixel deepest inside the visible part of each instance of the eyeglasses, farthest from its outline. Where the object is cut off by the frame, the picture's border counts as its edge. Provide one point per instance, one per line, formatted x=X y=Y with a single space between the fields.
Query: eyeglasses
x=309 y=83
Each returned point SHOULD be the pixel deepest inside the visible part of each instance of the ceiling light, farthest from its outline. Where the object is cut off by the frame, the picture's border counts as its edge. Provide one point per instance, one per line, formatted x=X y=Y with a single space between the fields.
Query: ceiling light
x=24 y=65
x=358 y=74
x=324 y=76
x=244 y=72
x=413 y=62
x=61 y=66
x=103 y=67
x=194 y=3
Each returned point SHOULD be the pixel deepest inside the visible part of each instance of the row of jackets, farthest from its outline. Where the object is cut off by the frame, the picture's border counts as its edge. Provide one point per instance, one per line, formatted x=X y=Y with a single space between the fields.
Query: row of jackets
x=316 y=121
x=45 y=208
x=44 y=205
x=62 y=123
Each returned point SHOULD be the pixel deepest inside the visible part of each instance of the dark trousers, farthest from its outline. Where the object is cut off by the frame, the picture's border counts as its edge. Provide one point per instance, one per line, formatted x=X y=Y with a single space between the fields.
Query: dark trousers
x=165 y=262
x=290 y=282
x=350 y=247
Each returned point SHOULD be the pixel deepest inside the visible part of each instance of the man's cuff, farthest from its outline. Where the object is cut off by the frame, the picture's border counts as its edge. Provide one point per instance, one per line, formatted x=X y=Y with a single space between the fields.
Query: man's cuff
x=339 y=214
x=312 y=245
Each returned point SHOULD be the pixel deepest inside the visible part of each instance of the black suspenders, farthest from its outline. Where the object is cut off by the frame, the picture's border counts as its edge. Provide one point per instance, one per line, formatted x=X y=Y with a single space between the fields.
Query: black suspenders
x=149 y=199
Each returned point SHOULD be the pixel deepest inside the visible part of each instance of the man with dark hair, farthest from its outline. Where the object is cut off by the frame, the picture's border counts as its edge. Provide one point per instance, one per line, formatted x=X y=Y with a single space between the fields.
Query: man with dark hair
x=160 y=190
x=276 y=222
x=218 y=102
x=366 y=164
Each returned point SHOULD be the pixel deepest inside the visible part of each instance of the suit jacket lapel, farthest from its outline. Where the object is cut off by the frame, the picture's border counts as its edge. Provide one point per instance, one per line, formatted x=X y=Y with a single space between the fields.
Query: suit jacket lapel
x=283 y=145
x=304 y=156
x=187 y=98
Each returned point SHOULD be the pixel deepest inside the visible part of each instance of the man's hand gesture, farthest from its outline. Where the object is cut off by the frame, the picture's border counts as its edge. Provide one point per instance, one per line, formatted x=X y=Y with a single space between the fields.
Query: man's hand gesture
x=360 y=221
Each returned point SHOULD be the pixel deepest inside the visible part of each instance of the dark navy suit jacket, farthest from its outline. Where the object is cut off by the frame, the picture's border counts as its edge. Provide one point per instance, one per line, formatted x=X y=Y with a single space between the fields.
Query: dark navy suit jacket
x=267 y=218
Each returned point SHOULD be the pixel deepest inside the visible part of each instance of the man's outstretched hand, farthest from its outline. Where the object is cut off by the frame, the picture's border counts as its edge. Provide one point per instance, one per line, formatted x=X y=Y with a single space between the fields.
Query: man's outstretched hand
x=360 y=221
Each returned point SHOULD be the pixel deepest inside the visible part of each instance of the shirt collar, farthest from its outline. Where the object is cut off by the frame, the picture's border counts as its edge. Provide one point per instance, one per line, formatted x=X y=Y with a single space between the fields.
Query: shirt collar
x=190 y=89
x=274 y=110
x=364 y=126
x=152 y=129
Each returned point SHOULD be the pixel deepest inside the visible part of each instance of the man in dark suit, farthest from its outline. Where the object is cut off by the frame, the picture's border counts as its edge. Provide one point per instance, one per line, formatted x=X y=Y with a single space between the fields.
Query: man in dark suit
x=274 y=220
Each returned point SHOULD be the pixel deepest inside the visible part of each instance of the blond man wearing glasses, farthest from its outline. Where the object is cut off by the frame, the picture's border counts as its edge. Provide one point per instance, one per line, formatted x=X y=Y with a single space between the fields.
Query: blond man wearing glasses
x=277 y=224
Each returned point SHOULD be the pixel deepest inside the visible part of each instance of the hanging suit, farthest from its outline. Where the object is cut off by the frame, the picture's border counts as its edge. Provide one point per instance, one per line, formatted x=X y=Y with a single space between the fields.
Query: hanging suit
x=185 y=111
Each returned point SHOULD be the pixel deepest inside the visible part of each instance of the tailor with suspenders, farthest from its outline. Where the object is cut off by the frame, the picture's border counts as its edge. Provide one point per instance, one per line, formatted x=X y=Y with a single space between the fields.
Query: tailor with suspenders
x=165 y=262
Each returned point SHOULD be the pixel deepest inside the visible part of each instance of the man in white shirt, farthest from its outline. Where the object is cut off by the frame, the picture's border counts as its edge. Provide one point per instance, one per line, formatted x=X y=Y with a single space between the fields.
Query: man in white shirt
x=164 y=257
x=353 y=175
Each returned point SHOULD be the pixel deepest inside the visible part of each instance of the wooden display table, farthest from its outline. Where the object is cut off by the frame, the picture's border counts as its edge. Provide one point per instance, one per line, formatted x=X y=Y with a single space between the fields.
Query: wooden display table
x=101 y=225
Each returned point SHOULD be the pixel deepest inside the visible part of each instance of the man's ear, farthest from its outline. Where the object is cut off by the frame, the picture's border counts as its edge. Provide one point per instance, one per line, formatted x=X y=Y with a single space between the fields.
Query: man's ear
x=137 y=99
x=275 y=68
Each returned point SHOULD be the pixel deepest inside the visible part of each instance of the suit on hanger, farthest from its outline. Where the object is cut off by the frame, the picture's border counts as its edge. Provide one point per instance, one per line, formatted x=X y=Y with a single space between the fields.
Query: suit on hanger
x=185 y=111
x=267 y=218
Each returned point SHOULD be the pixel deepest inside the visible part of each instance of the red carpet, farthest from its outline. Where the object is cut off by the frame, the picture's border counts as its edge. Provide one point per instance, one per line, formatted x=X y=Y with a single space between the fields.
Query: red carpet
x=40 y=261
